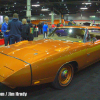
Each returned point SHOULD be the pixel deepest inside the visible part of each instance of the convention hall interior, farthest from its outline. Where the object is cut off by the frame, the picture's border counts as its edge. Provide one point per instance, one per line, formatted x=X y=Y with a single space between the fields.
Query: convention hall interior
x=49 y=49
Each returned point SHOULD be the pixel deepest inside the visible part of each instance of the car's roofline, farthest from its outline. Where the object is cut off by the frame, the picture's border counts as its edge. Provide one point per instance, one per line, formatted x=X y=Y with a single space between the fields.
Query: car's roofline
x=88 y=27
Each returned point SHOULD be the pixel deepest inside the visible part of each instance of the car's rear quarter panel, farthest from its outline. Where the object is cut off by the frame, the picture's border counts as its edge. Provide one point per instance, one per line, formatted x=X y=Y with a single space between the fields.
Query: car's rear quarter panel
x=46 y=69
x=14 y=72
x=20 y=78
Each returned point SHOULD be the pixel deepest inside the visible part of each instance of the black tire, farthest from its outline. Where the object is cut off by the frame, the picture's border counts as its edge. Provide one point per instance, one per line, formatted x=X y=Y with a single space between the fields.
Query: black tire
x=58 y=34
x=65 y=79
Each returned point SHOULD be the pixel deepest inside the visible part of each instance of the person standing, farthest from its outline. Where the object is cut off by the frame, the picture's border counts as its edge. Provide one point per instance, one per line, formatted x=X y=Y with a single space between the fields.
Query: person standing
x=53 y=26
x=70 y=23
x=15 y=27
x=6 y=32
x=42 y=23
x=40 y=27
x=25 y=29
x=50 y=28
x=0 y=26
x=61 y=25
x=58 y=25
x=45 y=29
x=31 y=33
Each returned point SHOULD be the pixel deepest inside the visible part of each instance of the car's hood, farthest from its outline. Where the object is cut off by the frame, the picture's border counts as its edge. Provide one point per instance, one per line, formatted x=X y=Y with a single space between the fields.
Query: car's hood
x=30 y=51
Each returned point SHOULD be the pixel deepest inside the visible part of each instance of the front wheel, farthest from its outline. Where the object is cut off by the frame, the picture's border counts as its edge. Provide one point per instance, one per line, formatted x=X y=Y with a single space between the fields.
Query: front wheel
x=64 y=76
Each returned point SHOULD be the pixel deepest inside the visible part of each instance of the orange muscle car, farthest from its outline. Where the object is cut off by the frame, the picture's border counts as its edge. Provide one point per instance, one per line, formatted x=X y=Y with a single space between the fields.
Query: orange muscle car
x=53 y=59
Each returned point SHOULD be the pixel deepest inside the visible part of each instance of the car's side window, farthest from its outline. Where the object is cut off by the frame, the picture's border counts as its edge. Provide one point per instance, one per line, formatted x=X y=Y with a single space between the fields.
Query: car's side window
x=95 y=34
x=87 y=36
x=91 y=35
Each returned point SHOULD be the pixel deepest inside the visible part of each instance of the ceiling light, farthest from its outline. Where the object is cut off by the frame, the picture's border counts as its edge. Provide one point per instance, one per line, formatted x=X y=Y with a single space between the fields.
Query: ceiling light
x=87 y=3
x=40 y=14
x=46 y=9
x=43 y=15
x=98 y=12
x=38 y=2
x=92 y=16
x=15 y=3
x=64 y=4
x=53 y=14
x=97 y=4
x=83 y=8
x=36 y=5
x=67 y=14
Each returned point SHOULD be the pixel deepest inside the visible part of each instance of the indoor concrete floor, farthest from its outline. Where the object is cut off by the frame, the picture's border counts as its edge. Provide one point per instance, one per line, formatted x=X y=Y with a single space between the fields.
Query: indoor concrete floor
x=84 y=86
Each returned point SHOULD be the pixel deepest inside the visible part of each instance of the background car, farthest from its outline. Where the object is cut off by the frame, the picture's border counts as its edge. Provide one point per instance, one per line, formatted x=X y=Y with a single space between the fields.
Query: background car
x=61 y=32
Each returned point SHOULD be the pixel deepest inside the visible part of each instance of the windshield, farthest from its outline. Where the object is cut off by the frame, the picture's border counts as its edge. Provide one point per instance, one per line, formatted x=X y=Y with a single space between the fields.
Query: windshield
x=68 y=34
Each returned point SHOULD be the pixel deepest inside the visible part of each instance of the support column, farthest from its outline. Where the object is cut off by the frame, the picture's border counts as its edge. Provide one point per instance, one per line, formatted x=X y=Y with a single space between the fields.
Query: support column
x=81 y=16
x=60 y=18
x=28 y=12
x=52 y=17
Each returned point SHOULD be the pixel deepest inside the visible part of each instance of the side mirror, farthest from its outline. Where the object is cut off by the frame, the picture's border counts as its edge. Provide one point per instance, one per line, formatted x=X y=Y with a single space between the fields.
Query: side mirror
x=94 y=39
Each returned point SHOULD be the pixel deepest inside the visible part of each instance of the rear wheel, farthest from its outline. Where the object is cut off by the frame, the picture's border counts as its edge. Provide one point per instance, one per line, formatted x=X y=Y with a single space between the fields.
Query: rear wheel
x=58 y=34
x=64 y=76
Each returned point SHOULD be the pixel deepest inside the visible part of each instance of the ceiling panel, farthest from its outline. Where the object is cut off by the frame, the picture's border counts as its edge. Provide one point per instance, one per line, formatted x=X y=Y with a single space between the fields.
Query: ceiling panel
x=8 y=7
